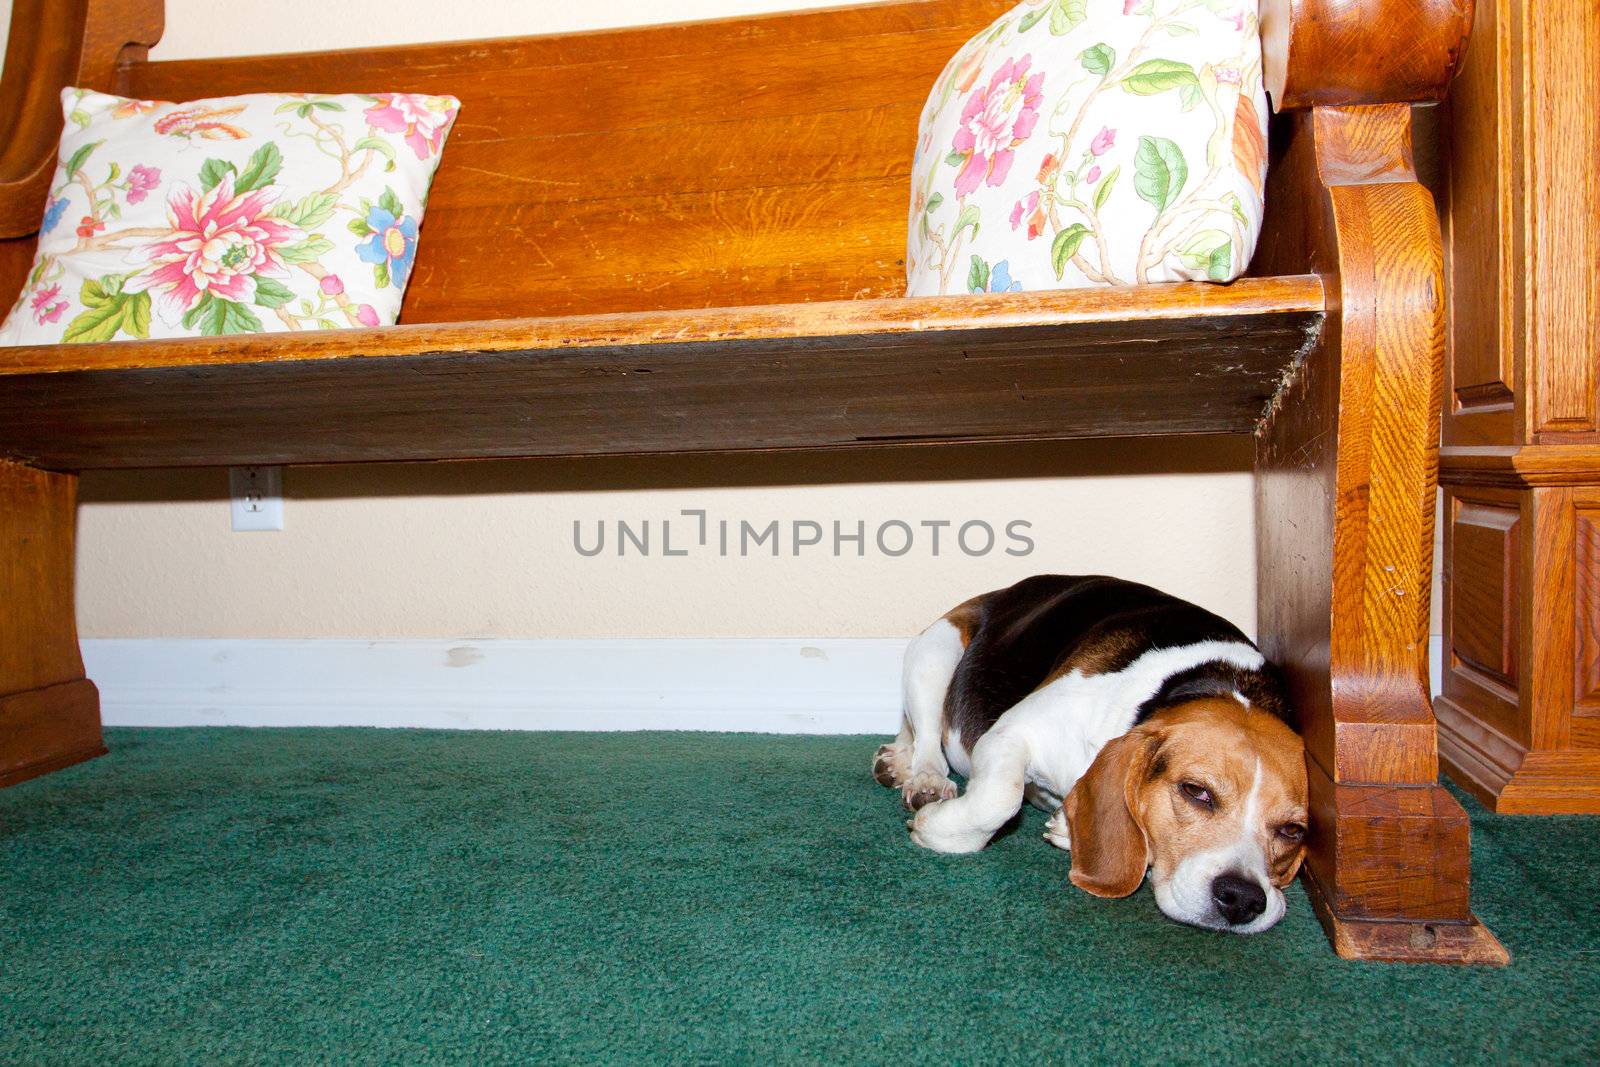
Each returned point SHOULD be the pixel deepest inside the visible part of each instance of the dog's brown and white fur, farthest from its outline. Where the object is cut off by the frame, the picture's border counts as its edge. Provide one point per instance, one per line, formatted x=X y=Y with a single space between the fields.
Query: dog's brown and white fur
x=1151 y=727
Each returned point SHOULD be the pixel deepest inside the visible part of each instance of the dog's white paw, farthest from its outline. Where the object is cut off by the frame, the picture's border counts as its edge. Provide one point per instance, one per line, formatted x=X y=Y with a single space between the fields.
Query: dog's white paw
x=891 y=765
x=939 y=827
x=920 y=790
x=1055 y=831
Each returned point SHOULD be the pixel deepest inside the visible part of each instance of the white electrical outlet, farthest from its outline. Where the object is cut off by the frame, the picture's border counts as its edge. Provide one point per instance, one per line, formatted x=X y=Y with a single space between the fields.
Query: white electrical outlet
x=257 y=497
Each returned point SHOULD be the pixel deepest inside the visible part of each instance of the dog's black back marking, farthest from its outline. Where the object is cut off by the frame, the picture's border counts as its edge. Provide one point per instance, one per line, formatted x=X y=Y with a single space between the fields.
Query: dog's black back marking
x=1050 y=624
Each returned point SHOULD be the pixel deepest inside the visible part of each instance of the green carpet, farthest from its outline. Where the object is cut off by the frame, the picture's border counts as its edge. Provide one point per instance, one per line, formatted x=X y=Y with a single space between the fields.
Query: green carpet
x=205 y=896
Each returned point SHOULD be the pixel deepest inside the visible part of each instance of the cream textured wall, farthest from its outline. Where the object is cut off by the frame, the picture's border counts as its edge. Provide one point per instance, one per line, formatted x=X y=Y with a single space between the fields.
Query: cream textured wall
x=484 y=550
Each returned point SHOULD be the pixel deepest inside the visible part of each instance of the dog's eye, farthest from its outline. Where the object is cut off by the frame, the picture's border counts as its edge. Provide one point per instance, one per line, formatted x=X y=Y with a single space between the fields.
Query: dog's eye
x=1292 y=832
x=1197 y=793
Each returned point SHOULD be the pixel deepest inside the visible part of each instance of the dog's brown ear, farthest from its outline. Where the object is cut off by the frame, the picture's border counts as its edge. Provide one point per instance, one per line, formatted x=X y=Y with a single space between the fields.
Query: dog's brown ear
x=1109 y=852
x=1283 y=876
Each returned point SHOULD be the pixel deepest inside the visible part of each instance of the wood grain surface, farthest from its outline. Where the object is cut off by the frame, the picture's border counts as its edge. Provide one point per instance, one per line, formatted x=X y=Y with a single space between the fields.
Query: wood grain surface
x=49 y=716
x=1186 y=359
x=1346 y=467
x=1345 y=52
x=1522 y=413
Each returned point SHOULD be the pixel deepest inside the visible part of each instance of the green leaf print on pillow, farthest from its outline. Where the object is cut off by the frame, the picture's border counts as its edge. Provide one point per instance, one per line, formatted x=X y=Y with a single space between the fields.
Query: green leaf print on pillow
x=262 y=167
x=1098 y=59
x=1158 y=75
x=1160 y=171
x=1210 y=251
x=1065 y=246
x=109 y=311
x=1067 y=15
x=216 y=316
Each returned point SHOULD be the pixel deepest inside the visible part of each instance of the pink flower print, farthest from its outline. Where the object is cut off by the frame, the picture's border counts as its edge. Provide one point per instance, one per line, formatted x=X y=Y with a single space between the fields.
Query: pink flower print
x=331 y=284
x=1093 y=175
x=1048 y=168
x=366 y=315
x=142 y=179
x=1103 y=141
x=219 y=243
x=1031 y=210
x=1228 y=75
x=47 y=304
x=1237 y=18
x=995 y=120
x=423 y=120
x=1130 y=7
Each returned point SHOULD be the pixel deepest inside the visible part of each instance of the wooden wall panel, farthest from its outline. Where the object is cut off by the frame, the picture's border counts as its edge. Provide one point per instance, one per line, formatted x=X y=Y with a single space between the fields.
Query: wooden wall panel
x=1586 y=619
x=1483 y=587
x=1481 y=198
x=1563 y=42
x=1522 y=412
x=1484 y=545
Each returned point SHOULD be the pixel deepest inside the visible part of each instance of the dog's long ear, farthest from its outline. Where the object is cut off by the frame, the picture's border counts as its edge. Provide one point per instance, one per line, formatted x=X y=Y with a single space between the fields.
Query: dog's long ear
x=1282 y=877
x=1109 y=852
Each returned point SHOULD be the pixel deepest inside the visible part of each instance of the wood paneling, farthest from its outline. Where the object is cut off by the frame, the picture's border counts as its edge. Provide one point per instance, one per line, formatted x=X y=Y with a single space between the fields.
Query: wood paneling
x=1483 y=588
x=1524 y=131
x=1524 y=123
x=1484 y=193
x=1586 y=621
x=1485 y=553
x=1563 y=211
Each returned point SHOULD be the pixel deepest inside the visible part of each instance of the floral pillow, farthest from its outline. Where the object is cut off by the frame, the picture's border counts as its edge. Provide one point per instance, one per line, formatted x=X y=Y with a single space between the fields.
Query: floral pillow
x=1092 y=142
x=245 y=214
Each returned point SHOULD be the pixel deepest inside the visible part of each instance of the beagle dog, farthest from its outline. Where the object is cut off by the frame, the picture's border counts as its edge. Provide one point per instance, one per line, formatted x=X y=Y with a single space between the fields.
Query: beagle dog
x=1153 y=729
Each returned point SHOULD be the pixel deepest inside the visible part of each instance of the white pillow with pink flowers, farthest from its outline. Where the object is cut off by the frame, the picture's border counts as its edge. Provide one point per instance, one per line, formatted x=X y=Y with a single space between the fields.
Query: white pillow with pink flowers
x=1092 y=142
x=246 y=214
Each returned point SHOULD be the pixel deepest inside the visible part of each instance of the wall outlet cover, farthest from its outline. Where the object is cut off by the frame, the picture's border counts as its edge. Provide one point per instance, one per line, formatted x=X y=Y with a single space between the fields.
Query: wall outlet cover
x=257 y=494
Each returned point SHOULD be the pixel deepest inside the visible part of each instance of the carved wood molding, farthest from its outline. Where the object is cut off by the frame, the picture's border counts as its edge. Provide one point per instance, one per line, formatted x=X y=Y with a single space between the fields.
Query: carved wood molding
x=1521 y=466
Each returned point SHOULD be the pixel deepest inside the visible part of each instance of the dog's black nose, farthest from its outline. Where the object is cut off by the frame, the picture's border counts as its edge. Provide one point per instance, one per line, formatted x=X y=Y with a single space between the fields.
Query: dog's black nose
x=1238 y=899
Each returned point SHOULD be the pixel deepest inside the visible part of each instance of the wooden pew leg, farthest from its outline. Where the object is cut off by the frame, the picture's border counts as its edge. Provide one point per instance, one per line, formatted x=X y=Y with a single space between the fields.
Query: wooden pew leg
x=1347 y=465
x=49 y=712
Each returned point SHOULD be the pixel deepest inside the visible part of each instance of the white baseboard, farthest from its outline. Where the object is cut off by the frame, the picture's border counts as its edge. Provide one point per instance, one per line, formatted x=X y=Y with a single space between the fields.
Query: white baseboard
x=831 y=686
x=768 y=686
